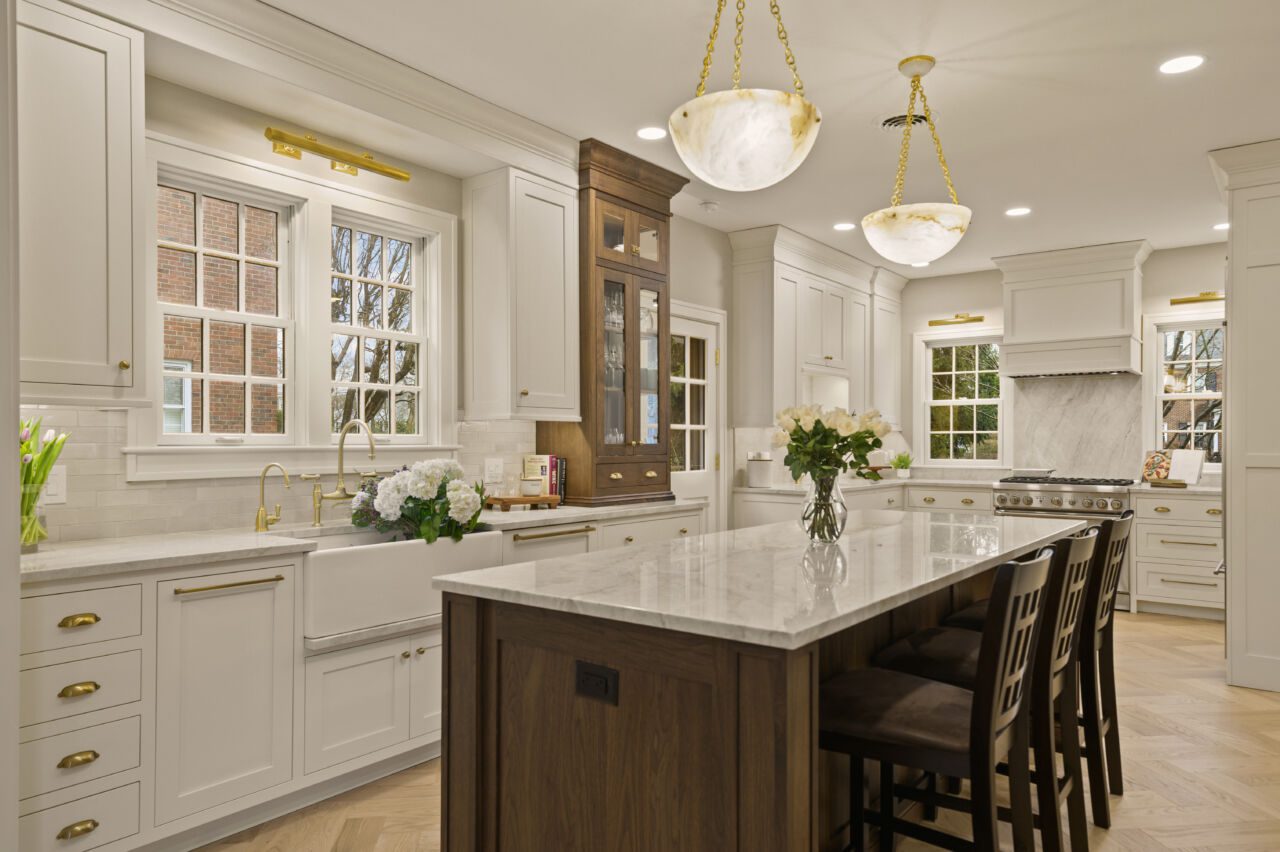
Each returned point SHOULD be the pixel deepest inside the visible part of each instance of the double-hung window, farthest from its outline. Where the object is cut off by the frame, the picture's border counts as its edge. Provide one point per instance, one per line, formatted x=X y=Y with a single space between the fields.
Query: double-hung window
x=1189 y=393
x=224 y=303
x=963 y=404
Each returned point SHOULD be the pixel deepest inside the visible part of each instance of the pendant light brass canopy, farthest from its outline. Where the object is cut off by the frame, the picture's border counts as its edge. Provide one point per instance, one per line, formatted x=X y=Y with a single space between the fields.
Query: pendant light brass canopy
x=917 y=233
x=744 y=139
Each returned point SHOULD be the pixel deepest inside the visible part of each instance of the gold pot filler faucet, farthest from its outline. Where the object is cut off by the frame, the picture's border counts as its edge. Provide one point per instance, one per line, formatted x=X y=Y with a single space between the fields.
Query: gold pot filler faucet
x=264 y=521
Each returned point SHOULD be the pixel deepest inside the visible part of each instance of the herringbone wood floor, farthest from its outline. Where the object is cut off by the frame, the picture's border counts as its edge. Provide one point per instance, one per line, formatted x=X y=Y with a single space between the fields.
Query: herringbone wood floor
x=1202 y=765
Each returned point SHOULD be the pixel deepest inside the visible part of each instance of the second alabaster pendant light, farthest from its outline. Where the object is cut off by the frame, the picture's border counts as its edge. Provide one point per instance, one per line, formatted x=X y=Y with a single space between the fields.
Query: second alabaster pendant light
x=917 y=233
x=744 y=139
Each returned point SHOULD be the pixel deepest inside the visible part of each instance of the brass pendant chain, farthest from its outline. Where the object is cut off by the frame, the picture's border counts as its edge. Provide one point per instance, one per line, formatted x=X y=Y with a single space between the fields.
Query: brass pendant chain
x=786 y=47
x=711 y=48
x=917 y=88
x=737 y=47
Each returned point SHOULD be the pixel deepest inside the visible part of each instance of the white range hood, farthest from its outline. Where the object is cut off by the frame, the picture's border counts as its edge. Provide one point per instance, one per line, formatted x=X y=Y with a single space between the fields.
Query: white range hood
x=1075 y=311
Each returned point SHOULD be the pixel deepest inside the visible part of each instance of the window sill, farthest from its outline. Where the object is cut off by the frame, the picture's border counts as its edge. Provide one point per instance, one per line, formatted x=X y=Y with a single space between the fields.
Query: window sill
x=153 y=464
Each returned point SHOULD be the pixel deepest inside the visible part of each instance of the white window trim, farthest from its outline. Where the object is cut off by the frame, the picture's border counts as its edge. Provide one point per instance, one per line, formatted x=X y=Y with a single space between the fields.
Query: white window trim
x=921 y=396
x=178 y=365
x=316 y=201
x=1153 y=324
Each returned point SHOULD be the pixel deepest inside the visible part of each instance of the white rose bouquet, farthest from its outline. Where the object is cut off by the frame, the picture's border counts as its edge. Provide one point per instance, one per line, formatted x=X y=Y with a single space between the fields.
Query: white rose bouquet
x=426 y=500
x=825 y=444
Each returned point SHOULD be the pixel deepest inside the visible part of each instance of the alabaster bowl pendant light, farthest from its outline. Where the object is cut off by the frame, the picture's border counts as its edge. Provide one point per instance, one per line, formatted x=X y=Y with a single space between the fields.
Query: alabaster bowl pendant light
x=744 y=139
x=917 y=233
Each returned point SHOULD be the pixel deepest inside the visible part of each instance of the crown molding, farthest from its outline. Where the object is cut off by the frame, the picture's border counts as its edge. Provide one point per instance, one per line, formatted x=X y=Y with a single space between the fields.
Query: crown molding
x=1256 y=164
x=781 y=244
x=1084 y=260
x=886 y=282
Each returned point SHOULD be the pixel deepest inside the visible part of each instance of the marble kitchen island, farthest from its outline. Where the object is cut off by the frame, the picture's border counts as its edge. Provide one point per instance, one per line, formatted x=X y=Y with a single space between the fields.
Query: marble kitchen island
x=665 y=697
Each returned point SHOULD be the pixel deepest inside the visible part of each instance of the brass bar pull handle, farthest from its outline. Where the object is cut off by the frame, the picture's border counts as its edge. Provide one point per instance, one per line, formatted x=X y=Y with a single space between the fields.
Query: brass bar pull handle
x=75 y=690
x=1191 y=543
x=828 y=357
x=968 y=501
x=1187 y=582
x=1163 y=509
x=556 y=534
x=650 y=474
x=80 y=758
x=1213 y=511
x=615 y=475
x=80 y=619
x=197 y=589
x=929 y=500
x=77 y=829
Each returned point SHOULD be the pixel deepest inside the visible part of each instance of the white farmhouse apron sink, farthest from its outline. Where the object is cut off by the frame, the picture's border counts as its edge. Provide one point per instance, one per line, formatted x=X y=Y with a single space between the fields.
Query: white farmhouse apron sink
x=368 y=585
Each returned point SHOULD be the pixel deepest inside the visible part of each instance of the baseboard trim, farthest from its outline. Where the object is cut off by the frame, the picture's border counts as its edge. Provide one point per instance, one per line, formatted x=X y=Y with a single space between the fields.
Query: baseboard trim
x=1202 y=612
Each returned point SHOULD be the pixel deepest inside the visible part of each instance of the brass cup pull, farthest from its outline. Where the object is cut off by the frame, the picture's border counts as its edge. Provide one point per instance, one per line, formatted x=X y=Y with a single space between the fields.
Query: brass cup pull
x=1163 y=509
x=421 y=651
x=968 y=501
x=929 y=500
x=650 y=474
x=124 y=365
x=404 y=655
x=1213 y=511
x=75 y=690
x=629 y=539
x=80 y=758
x=77 y=829
x=80 y=619
x=615 y=475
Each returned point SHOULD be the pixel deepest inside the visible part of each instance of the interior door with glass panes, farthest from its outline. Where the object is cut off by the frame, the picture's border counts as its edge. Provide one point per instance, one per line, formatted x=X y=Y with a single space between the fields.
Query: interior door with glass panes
x=695 y=411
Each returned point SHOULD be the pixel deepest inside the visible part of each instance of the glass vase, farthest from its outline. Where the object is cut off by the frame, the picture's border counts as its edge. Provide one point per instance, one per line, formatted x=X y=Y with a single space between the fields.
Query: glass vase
x=32 y=532
x=825 y=513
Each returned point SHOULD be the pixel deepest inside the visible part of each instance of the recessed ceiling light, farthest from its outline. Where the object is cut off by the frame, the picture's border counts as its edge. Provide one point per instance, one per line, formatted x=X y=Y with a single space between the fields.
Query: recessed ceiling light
x=844 y=226
x=1181 y=64
x=1222 y=226
x=1017 y=211
x=918 y=265
x=651 y=133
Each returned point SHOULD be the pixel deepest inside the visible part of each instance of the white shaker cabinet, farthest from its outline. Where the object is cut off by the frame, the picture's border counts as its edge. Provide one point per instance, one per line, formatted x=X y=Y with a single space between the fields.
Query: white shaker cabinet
x=426 y=685
x=81 y=203
x=224 y=688
x=520 y=298
x=886 y=346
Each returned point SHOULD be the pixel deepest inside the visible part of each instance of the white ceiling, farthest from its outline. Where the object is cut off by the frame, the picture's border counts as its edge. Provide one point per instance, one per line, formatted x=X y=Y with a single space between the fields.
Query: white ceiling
x=1055 y=106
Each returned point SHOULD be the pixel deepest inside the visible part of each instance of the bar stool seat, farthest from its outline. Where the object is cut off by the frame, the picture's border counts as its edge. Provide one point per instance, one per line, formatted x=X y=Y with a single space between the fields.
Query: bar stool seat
x=972 y=617
x=886 y=714
x=946 y=654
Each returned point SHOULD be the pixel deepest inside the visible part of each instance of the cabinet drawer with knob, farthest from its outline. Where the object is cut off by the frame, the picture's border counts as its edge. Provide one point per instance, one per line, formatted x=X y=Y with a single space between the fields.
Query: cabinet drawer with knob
x=648 y=531
x=79 y=618
x=82 y=824
x=80 y=686
x=1182 y=510
x=62 y=760
x=632 y=475
x=949 y=499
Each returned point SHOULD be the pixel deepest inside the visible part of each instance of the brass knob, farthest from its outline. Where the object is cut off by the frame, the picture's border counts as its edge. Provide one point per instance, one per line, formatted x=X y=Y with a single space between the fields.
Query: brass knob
x=421 y=651
x=968 y=501
x=929 y=500
x=1213 y=511
x=615 y=475
x=635 y=249
x=75 y=690
x=629 y=539
x=892 y=501
x=828 y=357
x=635 y=443
x=1163 y=509
x=524 y=391
x=124 y=365
x=80 y=619
x=405 y=655
x=650 y=474
x=77 y=829
x=80 y=758
x=684 y=531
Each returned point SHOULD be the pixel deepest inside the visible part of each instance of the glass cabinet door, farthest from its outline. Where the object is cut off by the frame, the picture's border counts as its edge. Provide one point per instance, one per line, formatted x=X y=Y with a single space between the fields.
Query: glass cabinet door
x=649 y=433
x=649 y=246
x=614 y=395
x=613 y=242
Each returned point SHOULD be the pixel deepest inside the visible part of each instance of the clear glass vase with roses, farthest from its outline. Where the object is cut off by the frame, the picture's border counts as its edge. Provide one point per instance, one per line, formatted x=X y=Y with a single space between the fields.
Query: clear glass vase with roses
x=824 y=444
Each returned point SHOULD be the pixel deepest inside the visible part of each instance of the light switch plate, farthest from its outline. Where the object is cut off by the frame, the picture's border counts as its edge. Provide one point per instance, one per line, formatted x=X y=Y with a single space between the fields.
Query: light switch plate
x=493 y=470
x=55 y=487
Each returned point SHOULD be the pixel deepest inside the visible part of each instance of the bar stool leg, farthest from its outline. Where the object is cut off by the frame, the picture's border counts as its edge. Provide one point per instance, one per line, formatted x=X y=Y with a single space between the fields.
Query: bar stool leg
x=931 y=790
x=1077 y=822
x=857 y=804
x=886 y=806
x=1096 y=759
x=1110 y=712
x=1045 y=748
x=1020 y=787
x=982 y=795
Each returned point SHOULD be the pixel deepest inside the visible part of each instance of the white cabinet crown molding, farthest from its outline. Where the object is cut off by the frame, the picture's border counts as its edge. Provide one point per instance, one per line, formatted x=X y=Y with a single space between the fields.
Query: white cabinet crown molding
x=1084 y=260
x=1244 y=166
x=783 y=245
x=887 y=284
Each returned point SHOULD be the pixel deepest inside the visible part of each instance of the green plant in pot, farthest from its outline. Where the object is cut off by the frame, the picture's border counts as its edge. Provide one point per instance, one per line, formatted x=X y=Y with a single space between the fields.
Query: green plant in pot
x=37 y=454
x=902 y=464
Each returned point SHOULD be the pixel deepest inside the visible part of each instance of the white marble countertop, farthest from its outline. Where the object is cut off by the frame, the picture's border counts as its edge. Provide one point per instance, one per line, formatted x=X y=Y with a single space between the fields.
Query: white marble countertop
x=764 y=585
x=519 y=518
x=79 y=559
x=1145 y=489
x=857 y=485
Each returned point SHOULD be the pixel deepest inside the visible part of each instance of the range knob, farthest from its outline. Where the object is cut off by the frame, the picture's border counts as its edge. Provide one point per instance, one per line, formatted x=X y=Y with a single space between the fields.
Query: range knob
x=1071 y=501
x=1087 y=502
x=1057 y=501
x=1001 y=499
x=1026 y=501
x=1116 y=504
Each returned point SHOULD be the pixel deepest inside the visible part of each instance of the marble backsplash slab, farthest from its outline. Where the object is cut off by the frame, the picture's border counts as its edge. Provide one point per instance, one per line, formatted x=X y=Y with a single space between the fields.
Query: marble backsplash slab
x=1079 y=425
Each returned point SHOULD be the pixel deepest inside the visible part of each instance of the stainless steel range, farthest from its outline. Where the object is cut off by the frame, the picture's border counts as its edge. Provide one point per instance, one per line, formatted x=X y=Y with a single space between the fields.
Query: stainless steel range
x=1062 y=496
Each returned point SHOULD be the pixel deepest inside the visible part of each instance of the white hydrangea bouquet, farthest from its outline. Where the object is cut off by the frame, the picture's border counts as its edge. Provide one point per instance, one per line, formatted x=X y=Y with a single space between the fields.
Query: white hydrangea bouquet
x=825 y=444
x=426 y=500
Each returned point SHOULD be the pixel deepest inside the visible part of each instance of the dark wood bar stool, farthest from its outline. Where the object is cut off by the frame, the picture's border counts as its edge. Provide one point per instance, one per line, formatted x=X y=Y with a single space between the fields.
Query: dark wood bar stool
x=1099 y=718
x=900 y=719
x=945 y=653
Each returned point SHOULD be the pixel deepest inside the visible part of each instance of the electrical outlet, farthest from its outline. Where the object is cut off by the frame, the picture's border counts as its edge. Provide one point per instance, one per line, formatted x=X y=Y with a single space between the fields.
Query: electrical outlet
x=493 y=471
x=55 y=487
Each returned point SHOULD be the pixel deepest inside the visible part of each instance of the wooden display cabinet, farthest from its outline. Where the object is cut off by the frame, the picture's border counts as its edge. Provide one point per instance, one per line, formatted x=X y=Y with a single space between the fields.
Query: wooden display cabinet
x=619 y=453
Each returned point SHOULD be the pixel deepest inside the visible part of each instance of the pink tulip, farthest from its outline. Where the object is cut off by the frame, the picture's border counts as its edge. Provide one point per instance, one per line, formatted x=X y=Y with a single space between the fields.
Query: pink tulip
x=24 y=435
x=26 y=458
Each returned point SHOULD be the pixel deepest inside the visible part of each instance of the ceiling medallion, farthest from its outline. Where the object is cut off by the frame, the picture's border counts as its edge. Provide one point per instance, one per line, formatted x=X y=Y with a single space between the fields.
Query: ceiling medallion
x=917 y=233
x=744 y=139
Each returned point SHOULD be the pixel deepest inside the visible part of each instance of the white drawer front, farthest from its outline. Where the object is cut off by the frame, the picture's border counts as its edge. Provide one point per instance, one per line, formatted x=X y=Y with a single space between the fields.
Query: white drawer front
x=1166 y=509
x=953 y=499
x=68 y=689
x=632 y=533
x=1183 y=584
x=77 y=756
x=78 y=618
x=103 y=818
x=881 y=498
x=546 y=542
x=1179 y=543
